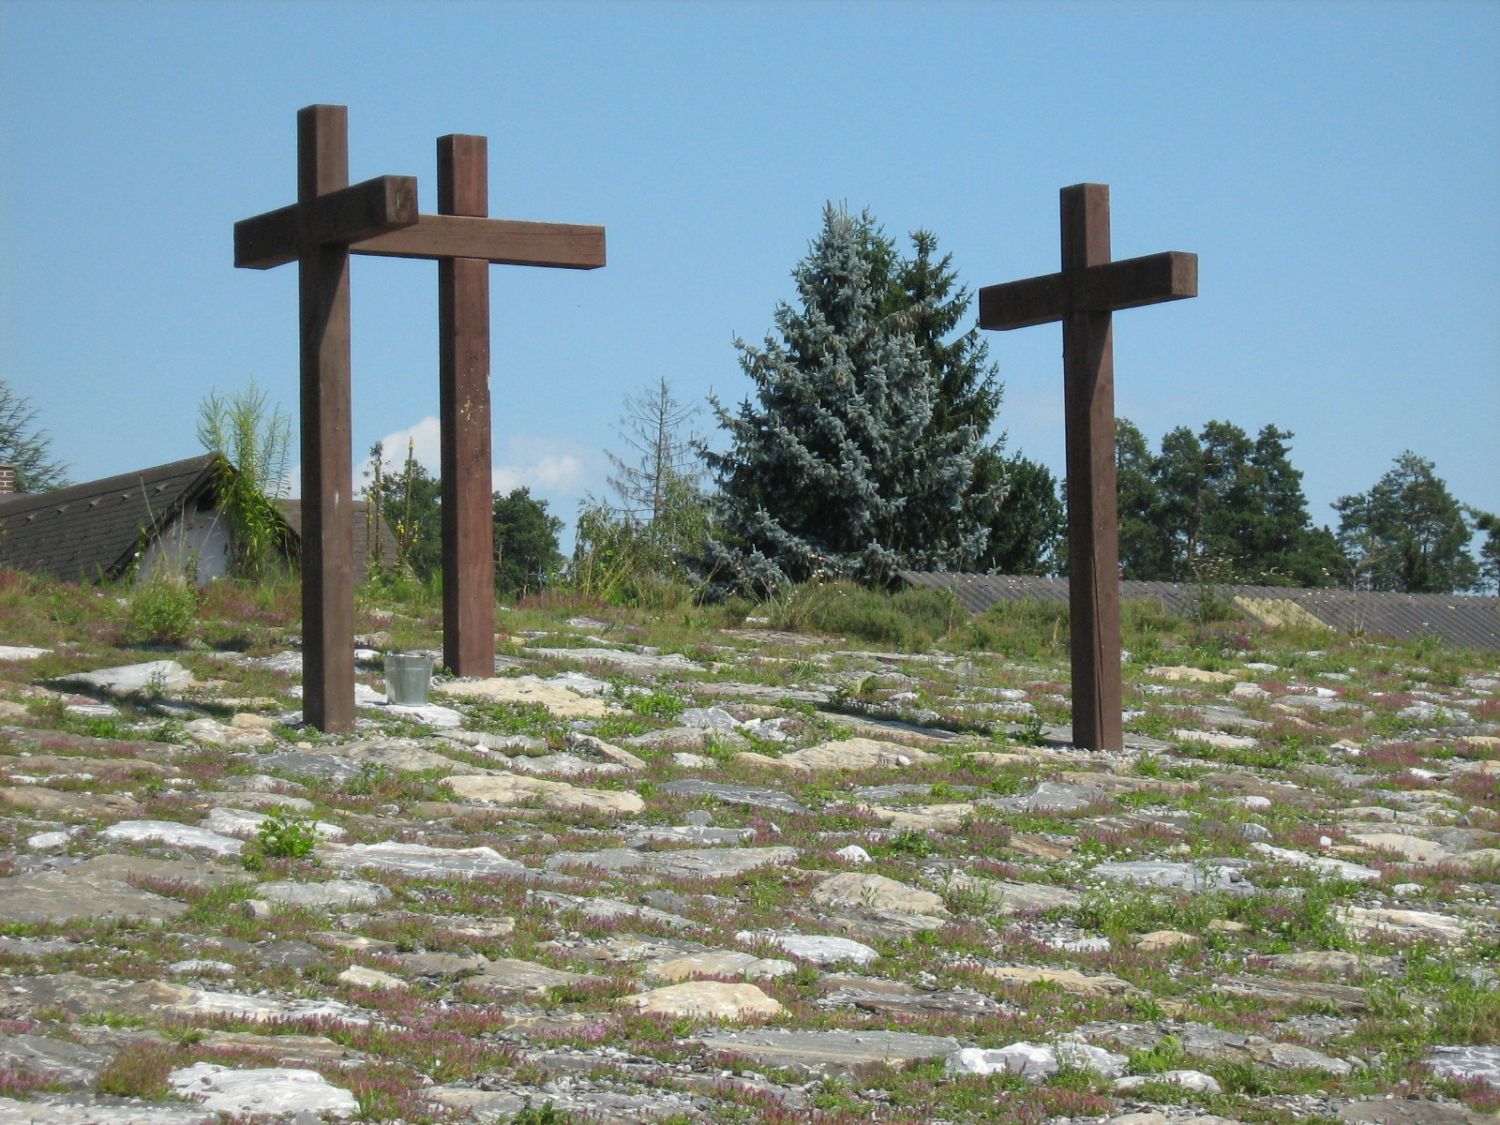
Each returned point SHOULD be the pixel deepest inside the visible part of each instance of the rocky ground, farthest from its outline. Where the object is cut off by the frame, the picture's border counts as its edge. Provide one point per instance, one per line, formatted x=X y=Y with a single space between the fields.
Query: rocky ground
x=688 y=872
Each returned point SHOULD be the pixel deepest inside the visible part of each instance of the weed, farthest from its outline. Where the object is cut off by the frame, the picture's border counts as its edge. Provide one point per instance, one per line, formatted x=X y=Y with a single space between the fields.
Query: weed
x=163 y=609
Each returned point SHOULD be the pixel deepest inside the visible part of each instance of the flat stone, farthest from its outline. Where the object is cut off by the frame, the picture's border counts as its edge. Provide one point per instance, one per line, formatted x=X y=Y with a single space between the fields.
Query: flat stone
x=643 y=660
x=68 y=896
x=1411 y=1111
x=359 y=976
x=245 y=824
x=773 y=800
x=685 y=863
x=1466 y=1063
x=688 y=834
x=1335 y=962
x=1161 y=941
x=85 y=996
x=420 y=860
x=945 y=817
x=172 y=834
x=1181 y=674
x=873 y=994
x=191 y=872
x=1412 y=849
x=67 y=804
x=558 y=698
x=1194 y=1080
x=1069 y=980
x=1002 y=897
x=709 y=718
x=268 y=1090
x=1216 y=739
x=509 y=979
x=1416 y=925
x=13 y=1112
x=503 y=789
x=610 y=909
x=431 y=963
x=1342 y=997
x=1036 y=1062
x=849 y=890
x=21 y=652
x=820 y=949
x=562 y=765
x=719 y=963
x=829 y=1051
x=703 y=999
x=845 y=754
x=333 y=895
x=1170 y=873
x=65 y=1064
x=152 y=677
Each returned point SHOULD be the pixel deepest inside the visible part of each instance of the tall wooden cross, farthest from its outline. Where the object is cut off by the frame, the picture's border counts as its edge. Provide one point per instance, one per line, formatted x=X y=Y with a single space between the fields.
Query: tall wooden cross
x=1083 y=296
x=328 y=222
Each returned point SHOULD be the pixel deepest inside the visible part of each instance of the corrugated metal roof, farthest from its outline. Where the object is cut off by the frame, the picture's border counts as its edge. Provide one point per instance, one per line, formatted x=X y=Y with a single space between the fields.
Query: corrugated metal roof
x=1469 y=622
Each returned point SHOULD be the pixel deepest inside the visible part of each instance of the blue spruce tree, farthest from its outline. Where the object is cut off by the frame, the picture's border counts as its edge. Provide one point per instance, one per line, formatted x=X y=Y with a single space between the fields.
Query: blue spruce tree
x=836 y=468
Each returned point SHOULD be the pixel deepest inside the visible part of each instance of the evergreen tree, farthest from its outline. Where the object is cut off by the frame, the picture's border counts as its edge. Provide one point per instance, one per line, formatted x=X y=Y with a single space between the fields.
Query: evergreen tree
x=525 y=537
x=1216 y=503
x=25 y=447
x=838 y=468
x=1026 y=531
x=1489 y=551
x=1407 y=533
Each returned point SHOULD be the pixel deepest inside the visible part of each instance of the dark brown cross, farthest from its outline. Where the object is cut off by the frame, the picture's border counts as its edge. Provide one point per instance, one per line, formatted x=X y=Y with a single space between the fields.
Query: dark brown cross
x=319 y=232
x=1083 y=296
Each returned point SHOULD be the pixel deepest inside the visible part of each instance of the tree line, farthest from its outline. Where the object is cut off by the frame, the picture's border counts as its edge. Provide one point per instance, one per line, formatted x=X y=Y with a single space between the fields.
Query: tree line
x=868 y=445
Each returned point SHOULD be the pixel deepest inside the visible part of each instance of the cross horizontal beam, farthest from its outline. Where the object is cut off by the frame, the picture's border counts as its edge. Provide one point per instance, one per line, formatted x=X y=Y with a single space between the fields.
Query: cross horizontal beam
x=336 y=218
x=1125 y=284
x=504 y=242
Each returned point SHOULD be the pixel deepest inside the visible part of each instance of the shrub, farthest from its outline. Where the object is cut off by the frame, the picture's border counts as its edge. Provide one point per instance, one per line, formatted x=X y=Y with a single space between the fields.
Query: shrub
x=162 y=609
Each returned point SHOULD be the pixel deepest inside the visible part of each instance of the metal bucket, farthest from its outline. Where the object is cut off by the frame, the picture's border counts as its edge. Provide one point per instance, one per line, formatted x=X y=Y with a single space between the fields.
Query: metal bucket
x=408 y=675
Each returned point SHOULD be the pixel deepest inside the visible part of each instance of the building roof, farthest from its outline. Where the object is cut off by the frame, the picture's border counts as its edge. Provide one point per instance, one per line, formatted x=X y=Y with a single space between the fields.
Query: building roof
x=1462 y=620
x=92 y=531
x=291 y=511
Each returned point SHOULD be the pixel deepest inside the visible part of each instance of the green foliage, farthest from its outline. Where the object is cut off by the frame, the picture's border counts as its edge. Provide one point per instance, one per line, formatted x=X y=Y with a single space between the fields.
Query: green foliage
x=24 y=446
x=1407 y=533
x=254 y=438
x=409 y=502
x=909 y=618
x=1489 y=551
x=525 y=539
x=163 y=609
x=845 y=465
x=1216 y=498
x=546 y=1114
x=286 y=834
x=1029 y=523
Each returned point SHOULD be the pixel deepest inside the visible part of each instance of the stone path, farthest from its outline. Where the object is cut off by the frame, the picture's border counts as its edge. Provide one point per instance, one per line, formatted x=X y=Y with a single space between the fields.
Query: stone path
x=636 y=880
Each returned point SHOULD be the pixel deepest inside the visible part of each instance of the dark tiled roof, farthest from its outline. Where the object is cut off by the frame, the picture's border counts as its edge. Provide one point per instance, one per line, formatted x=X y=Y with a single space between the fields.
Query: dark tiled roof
x=1469 y=622
x=91 y=531
x=291 y=511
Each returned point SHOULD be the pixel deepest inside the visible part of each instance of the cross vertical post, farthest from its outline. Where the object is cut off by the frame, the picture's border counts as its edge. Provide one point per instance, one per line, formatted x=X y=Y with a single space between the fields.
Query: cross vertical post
x=1084 y=297
x=464 y=397
x=327 y=438
x=1093 y=523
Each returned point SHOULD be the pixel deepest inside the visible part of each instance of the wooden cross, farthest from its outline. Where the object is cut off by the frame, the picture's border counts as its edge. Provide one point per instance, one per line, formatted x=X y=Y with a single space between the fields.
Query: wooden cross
x=1083 y=296
x=328 y=222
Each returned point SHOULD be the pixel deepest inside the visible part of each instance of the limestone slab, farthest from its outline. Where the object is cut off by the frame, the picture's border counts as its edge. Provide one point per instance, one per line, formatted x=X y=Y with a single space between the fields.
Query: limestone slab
x=829 y=1051
x=268 y=1090
x=510 y=789
x=558 y=698
x=850 y=890
x=685 y=863
x=713 y=1000
x=420 y=860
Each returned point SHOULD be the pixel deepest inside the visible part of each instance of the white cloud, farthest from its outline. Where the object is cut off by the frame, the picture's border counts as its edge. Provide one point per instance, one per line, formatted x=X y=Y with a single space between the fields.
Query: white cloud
x=426 y=445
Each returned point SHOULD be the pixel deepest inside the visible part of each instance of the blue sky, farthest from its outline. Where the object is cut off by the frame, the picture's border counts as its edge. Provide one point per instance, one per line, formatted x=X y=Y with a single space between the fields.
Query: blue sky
x=1336 y=167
